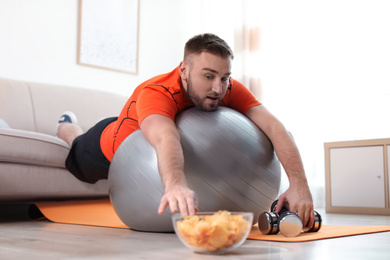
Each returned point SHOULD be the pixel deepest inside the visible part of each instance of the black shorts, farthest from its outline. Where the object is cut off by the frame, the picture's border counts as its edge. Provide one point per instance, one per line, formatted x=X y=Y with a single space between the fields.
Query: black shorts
x=86 y=160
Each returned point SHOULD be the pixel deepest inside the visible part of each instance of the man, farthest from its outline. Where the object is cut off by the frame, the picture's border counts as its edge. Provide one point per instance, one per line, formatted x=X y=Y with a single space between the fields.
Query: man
x=203 y=80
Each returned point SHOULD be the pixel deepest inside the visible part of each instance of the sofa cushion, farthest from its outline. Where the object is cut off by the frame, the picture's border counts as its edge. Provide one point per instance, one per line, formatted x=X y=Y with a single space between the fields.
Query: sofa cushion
x=18 y=146
x=16 y=107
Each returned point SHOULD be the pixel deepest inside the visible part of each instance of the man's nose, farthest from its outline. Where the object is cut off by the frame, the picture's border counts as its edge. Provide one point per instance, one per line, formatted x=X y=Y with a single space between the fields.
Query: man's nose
x=217 y=86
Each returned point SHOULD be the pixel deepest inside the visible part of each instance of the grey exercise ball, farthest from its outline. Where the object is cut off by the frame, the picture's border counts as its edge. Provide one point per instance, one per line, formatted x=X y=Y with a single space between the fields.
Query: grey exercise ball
x=229 y=163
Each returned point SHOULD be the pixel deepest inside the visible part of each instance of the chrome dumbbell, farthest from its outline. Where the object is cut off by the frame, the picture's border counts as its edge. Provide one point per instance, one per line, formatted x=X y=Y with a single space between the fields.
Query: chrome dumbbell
x=286 y=222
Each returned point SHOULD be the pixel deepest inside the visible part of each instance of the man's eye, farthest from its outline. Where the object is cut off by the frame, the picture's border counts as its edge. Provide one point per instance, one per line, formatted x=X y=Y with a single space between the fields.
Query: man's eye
x=225 y=79
x=209 y=77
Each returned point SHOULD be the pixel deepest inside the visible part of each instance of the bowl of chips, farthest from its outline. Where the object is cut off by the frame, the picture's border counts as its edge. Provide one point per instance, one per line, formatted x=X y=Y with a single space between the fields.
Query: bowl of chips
x=210 y=232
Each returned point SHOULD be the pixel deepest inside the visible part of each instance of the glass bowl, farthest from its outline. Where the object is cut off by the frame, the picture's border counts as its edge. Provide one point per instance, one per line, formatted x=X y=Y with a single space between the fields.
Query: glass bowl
x=213 y=232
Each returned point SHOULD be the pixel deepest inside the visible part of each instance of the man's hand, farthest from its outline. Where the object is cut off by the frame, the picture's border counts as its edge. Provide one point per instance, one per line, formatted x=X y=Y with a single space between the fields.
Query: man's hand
x=179 y=198
x=297 y=198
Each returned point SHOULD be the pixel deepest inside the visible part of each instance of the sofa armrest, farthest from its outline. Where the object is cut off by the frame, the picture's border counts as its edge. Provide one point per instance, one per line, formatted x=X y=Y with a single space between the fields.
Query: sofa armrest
x=19 y=146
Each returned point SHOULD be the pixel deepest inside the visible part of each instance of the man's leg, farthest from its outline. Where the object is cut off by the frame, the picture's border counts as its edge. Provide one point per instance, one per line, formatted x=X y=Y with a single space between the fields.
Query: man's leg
x=85 y=160
x=67 y=128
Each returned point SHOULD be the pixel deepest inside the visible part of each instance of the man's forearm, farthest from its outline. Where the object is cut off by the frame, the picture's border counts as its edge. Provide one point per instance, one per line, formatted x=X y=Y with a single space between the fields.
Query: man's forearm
x=289 y=156
x=170 y=162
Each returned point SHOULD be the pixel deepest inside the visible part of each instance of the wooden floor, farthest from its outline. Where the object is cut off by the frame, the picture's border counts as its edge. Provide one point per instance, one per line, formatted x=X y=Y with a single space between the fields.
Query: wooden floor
x=21 y=238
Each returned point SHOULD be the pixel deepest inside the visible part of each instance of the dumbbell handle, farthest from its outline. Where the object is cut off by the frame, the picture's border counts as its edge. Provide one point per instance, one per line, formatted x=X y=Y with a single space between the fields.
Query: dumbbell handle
x=273 y=207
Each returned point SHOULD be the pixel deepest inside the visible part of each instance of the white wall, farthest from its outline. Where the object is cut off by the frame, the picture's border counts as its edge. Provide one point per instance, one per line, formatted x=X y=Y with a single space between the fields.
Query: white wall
x=325 y=73
x=326 y=67
x=38 y=41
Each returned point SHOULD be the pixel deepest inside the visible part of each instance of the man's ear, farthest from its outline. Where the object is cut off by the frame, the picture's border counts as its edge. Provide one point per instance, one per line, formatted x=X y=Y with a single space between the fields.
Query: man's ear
x=183 y=67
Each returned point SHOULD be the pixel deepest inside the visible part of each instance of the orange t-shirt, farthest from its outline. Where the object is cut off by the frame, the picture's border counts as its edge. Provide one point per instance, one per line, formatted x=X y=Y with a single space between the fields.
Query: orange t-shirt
x=164 y=95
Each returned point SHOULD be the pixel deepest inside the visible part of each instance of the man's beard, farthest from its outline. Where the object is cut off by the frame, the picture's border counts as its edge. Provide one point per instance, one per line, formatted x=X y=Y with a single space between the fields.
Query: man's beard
x=199 y=102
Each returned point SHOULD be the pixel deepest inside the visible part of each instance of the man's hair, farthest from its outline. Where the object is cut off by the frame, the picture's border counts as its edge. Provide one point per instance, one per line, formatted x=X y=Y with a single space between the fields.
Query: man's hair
x=207 y=43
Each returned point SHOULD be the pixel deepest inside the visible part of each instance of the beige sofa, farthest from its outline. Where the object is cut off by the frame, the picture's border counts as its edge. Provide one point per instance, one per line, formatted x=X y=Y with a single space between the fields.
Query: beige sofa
x=32 y=158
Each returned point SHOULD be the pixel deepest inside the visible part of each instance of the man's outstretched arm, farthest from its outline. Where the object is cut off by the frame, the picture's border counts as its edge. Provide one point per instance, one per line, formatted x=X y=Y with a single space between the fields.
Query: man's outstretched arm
x=162 y=134
x=298 y=196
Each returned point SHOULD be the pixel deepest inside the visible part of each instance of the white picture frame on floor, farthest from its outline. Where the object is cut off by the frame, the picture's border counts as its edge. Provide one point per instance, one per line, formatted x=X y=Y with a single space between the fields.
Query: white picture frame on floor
x=108 y=34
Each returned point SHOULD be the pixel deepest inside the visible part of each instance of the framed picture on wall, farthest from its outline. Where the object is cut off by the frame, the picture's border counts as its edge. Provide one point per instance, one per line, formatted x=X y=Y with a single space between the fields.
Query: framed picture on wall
x=108 y=34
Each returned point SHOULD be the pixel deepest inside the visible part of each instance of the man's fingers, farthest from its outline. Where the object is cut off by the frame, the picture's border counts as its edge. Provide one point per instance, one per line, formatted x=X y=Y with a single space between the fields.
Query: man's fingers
x=182 y=206
x=163 y=206
x=188 y=205
x=185 y=202
x=192 y=204
x=311 y=219
x=173 y=203
x=307 y=216
x=280 y=204
x=304 y=215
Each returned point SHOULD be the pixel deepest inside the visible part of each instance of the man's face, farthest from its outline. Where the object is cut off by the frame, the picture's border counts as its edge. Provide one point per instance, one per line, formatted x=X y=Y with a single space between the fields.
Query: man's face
x=206 y=79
